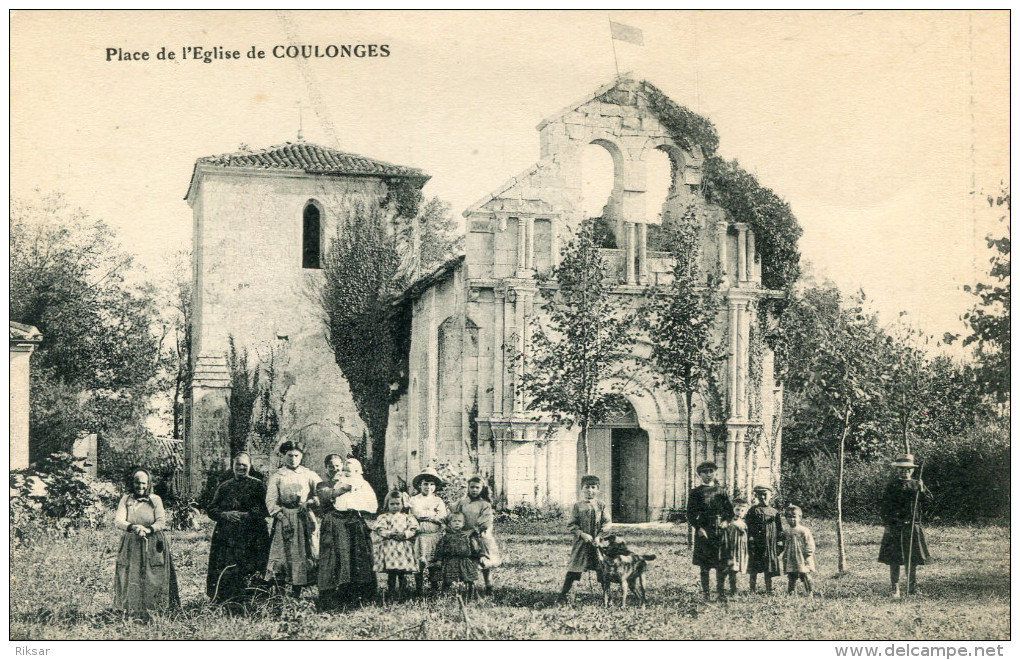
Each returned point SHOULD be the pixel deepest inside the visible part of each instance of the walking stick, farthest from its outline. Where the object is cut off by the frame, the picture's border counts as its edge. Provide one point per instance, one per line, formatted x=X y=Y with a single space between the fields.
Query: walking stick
x=913 y=520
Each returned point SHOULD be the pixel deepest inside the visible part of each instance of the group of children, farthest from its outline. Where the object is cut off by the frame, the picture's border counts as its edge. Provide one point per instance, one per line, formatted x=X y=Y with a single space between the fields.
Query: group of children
x=729 y=537
x=418 y=535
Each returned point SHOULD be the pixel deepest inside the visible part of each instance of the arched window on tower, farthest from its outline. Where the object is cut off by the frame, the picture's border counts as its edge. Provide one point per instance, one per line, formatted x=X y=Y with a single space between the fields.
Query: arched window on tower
x=311 y=237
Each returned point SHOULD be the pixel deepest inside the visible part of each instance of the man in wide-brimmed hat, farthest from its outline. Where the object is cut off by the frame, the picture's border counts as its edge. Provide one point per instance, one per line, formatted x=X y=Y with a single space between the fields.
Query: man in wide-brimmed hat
x=707 y=508
x=903 y=541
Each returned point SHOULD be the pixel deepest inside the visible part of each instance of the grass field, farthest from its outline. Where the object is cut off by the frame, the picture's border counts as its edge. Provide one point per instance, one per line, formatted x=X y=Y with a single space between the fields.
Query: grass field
x=61 y=589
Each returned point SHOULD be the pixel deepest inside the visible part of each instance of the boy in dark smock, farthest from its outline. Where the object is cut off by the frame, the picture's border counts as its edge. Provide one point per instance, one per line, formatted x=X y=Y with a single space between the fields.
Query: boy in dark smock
x=901 y=523
x=589 y=520
x=707 y=508
x=764 y=532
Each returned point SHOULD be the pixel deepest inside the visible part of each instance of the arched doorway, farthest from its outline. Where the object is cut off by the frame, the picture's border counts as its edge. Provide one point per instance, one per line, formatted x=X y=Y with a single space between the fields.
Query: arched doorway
x=619 y=457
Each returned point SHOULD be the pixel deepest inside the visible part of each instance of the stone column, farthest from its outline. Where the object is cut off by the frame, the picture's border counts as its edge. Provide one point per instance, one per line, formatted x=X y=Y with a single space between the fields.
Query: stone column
x=522 y=247
x=431 y=380
x=734 y=330
x=740 y=402
x=752 y=271
x=741 y=252
x=721 y=231
x=731 y=452
x=529 y=241
x=20 y=355
x=643 y=253
x=630 y=252
x=499 y=335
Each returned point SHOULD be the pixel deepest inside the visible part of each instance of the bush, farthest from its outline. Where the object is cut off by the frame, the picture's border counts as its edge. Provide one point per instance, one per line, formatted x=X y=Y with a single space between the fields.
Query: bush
x=950 y=469
x=969 y=474
x=455 y=478
x=56 y=494
x=527 y=512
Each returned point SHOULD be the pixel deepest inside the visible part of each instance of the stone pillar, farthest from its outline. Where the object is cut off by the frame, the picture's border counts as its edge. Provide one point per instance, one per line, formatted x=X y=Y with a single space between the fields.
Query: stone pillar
x=521 y=322
x=734 y=330
x=741 y=252
x=529 y=241
x=721 y=231
x=431 y=380
x=740 y=374
x=206 y=437
x=731 y=452
x=499 y=338
x=630 y=252
x=20 y=355
x=643 y=253
x=522 y=247
x=752 y=269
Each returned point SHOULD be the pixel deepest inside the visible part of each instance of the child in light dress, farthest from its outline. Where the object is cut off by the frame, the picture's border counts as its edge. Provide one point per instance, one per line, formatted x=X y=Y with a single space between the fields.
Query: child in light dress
x=394 y=529
x=733 y=550
x=478 y=520
x=798 y=551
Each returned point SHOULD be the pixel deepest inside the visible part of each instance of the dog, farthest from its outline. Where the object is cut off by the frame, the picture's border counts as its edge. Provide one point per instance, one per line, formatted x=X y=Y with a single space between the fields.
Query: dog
x=614 y=562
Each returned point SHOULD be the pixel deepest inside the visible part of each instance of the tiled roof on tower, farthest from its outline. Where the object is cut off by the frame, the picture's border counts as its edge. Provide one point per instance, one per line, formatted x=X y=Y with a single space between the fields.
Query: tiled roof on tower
x=312 y=158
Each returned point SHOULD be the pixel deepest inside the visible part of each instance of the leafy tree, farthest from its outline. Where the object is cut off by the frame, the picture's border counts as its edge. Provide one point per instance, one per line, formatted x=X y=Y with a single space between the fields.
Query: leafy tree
x=577 y=347
x=841 y=379
x=988 y=320
x=175 y=339
x=97 y=367
x=679 y=319
x=910 y=379
x=361 y=278
x=426 y=240
x=244 y=390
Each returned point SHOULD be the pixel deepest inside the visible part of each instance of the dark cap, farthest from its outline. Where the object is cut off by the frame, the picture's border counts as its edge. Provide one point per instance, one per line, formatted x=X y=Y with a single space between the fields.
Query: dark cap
x=707 y=465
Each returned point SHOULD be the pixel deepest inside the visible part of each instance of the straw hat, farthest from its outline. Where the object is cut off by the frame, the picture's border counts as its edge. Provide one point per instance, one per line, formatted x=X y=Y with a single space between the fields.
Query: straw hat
x=430 y=474
x=904 y=461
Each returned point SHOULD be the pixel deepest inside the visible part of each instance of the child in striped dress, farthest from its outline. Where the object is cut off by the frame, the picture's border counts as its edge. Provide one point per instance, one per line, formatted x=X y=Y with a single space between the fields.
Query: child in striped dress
x=394 y=529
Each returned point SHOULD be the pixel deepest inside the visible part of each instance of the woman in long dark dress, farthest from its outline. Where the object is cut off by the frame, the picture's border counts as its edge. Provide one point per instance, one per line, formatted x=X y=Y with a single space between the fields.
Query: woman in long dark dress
x=240 y=542
x=346 y=574
x=903 y=525
x=145 y=578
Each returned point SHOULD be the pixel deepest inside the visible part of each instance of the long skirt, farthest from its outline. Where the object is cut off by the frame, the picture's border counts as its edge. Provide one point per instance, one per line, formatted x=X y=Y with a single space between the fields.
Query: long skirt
x=239 y=550
x=895 y=545
x=145 y=578
x=429 y=535
x=294 y=548
x=345 y=561
x=490 y=557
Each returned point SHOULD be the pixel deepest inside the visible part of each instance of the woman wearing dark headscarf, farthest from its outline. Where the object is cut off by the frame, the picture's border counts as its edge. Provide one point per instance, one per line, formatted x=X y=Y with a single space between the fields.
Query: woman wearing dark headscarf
x=145 y=578
x=240 y=542
x=346 y=574
x=290 y=500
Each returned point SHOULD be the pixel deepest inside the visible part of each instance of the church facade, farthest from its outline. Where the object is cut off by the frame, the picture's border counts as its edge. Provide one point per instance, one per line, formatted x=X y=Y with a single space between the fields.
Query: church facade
x=459 y=405
x=473 y=314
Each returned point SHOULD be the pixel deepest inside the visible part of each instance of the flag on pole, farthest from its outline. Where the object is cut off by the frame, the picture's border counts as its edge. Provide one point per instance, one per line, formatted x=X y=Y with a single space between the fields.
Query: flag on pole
x=623 y=32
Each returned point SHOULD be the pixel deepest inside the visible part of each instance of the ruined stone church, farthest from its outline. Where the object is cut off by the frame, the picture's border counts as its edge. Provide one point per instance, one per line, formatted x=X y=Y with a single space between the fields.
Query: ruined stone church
x=261 y=225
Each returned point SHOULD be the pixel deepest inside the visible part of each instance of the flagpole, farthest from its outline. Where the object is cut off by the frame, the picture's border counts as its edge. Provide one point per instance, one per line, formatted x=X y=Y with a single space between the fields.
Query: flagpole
x=612 y=41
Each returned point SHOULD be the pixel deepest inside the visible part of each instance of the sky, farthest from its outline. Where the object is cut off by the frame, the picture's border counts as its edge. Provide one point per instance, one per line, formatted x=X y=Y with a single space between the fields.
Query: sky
x=874 y=126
